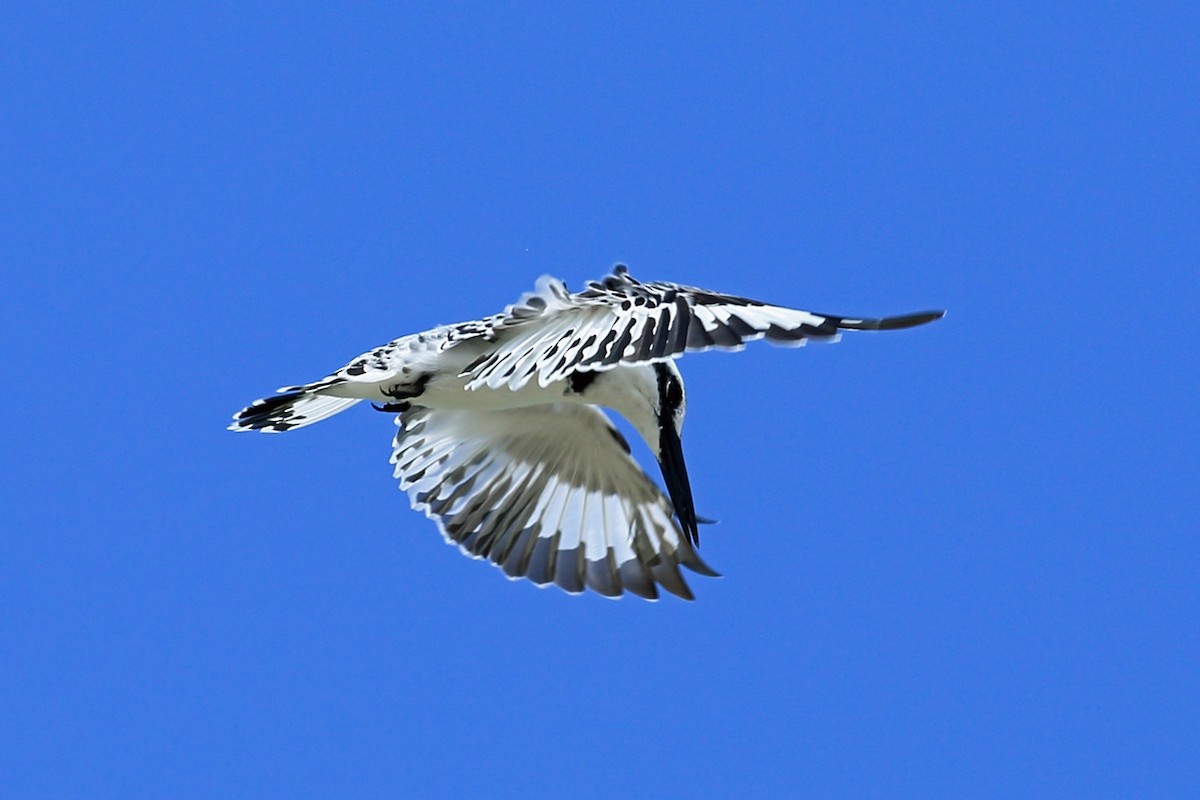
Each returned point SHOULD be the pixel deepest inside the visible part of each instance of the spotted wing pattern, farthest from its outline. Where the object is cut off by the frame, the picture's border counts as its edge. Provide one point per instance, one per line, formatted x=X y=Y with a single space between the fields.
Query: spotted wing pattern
x=549 y=493
x=551 y=333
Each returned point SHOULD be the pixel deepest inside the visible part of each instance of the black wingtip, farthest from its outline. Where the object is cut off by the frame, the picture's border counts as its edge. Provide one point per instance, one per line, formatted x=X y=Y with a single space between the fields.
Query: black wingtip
x=909 y=320
x=890 y=323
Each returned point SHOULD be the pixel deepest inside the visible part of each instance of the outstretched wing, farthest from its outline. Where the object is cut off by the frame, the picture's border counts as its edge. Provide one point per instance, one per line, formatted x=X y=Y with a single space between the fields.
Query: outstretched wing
x=551 y=333
x=549 y=493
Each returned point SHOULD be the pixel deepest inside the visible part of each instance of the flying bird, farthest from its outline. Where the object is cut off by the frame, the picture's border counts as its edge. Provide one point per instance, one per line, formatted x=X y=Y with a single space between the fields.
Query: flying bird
x=502 y=440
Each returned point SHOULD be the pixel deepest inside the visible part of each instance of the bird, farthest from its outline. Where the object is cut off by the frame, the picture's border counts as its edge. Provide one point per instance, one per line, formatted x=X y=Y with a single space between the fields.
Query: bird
x=503 y=443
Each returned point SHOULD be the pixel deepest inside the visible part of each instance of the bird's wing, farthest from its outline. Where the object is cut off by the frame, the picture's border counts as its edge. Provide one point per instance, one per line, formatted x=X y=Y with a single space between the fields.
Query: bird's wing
x=551 y=333
x=549 y=493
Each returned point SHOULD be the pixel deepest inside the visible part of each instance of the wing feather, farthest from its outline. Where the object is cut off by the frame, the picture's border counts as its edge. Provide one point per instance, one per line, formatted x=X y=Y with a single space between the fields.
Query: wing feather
x=545 y=493
x=551 y=333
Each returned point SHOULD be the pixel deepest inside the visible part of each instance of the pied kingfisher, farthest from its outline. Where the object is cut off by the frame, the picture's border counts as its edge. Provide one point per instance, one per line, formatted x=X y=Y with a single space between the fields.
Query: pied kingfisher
x=502 y=441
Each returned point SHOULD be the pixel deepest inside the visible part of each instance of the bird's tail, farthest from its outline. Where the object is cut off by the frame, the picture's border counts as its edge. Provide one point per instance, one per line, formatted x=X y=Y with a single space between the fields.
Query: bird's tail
x=293 y=409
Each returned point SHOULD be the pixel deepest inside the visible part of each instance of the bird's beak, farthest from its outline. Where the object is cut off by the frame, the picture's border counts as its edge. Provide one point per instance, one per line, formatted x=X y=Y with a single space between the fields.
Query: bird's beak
x=675 y=475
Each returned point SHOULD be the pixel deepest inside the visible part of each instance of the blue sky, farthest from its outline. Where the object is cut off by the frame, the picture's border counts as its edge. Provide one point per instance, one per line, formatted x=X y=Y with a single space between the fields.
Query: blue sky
x=959 y=561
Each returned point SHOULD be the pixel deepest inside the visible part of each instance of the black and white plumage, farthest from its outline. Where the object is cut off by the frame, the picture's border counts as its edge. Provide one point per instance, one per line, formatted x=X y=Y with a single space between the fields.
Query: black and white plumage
x=502 y=442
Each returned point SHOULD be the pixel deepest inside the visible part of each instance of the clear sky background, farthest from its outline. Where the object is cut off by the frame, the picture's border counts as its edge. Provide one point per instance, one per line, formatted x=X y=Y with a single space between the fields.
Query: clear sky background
x=959 y=561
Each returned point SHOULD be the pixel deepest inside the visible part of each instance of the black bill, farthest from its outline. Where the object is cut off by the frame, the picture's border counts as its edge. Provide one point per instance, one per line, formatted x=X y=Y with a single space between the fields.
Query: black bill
x=675 y=475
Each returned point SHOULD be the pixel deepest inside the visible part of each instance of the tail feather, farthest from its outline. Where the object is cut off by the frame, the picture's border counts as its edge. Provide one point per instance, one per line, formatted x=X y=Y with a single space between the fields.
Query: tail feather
x=286 y=411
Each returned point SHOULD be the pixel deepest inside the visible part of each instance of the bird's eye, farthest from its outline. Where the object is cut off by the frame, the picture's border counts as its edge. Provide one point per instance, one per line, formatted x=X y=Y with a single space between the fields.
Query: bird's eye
x=674 y=394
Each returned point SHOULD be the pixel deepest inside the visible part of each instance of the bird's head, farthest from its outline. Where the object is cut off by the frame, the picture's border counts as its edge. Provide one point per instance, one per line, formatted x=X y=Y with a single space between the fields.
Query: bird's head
x=669 y=410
